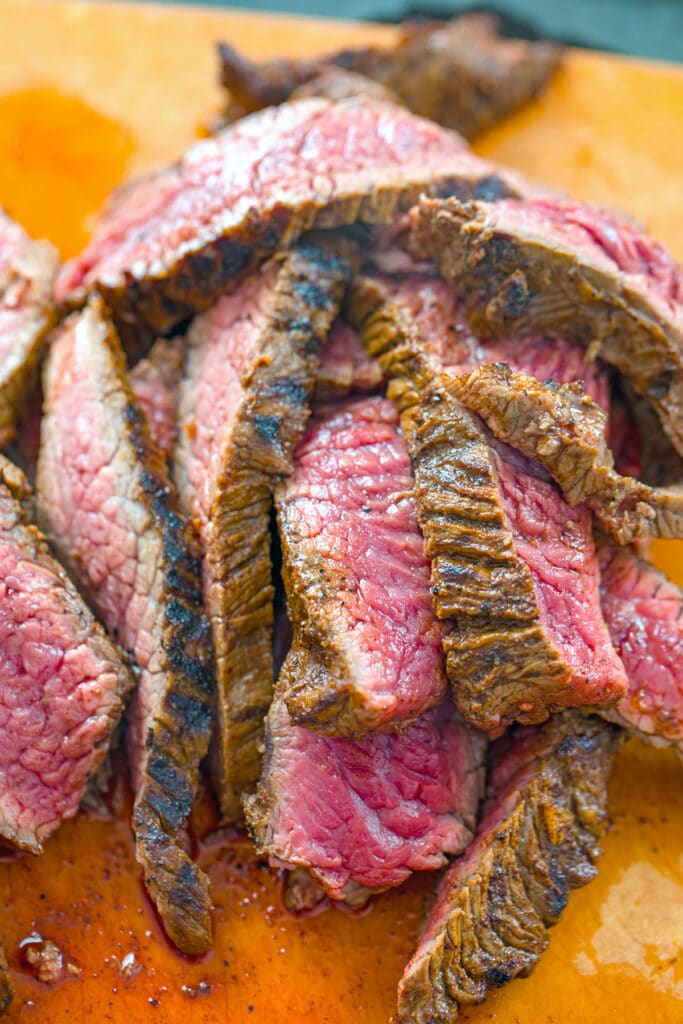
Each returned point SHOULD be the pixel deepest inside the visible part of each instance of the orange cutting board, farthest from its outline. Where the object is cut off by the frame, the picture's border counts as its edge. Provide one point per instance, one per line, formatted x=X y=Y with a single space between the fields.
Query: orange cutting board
x=90 y=94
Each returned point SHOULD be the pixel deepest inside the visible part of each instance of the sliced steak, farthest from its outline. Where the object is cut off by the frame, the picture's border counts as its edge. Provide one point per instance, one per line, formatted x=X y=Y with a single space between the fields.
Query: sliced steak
x=251 y=369
x=167 y=246
x=562 y=429
x=336 y=83
x=345 y=366
x=27 y=313
x=623 y=438
x=545 y=811
x=109 y=510
x=63 y=681
x=555 y=266
x=366 y=813
x=368 y=652
x=644 y=613
x=513 y=566
x=461 y=72
x=155 y=381
x=5 y=985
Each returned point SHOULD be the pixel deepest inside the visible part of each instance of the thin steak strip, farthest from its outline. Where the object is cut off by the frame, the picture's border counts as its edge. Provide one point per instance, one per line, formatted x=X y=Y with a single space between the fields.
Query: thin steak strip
x=155 y=381
x=513 y=566
x=367 y=655
x=545 y=811
x=109 y=509
x=366 y=813
x=562 y=429
x=345 y=366
x=461 y=72
x=644 y=613
x=250 y=372
x=558 y=267
x=27 y=313
x=63 y=681
x=167 y=246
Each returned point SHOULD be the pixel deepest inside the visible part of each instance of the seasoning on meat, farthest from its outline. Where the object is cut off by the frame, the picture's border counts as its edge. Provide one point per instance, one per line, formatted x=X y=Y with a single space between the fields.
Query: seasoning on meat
x=545 y=811
x=109 y=508
x=250 y=372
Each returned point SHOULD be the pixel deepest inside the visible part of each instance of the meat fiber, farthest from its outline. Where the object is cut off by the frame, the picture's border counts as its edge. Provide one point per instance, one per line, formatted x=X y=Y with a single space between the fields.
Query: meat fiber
x=367 y=652
x=27 y=313
x=545 y=811
x=366 y=813
x=345 y=366
x=167 y=246
x=461 y=72
x=554 y=266
x=644 y=613
x=107 y=503
x=155 y=381
x=513 y=566
x=63 y=681
x=251 y=369
x=562 y=429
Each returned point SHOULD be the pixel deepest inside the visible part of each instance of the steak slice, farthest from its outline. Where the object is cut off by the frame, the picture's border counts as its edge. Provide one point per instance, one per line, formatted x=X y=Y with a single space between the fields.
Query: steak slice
x=367 y=653
x=545 y=811
x=561 y=428
x=460 y=72
x=644 y=613
x=251 y=369
x=367 y=812
x=109 y=508
x=6 y=992
x=559 y=267
x=513 y=566
x=63 y=681
x=155 y=381
x=167 y=246
x=345 y=366
x=27 y=313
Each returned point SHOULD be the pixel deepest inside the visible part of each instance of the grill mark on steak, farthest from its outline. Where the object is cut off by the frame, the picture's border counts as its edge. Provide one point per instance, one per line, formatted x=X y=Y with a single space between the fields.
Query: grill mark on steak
x=561 y=428
x=644 y=612
x=110 y=510
x=250 y=373
x=545 y=811
x=460 y=72
x=167 y=247
x=368 y=812
x=27 y=313
x=155 y=381
x=345 y=366
x=63 y=681
x=6 y=991
x=513 y=566
x=367 y=654
x=558 y=267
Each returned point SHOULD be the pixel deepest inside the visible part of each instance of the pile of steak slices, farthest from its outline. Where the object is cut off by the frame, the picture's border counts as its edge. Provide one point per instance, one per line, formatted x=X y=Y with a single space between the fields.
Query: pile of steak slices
x=463 y=399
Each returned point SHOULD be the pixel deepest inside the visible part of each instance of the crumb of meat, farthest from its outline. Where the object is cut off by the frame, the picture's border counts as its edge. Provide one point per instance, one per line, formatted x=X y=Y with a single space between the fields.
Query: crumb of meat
x=45 y=959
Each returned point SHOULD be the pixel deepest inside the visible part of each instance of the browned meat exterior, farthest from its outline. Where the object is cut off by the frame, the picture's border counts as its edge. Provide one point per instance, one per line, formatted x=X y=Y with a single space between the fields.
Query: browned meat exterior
x=27 y=313
x=561 y=268
x=545 y=811
x=251 y=369
x=63 y=682
x=661 y=463
x=560 y=427
x=110 y=510
x=461 y=73
x=5 y=985
x=345 y=366
x=155 y=381
x=167 y=246
x=513 y=566
x=335 y=83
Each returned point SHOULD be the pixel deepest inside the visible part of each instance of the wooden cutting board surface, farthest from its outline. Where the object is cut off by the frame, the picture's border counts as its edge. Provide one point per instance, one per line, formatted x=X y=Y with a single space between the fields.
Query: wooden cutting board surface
x=90 y=94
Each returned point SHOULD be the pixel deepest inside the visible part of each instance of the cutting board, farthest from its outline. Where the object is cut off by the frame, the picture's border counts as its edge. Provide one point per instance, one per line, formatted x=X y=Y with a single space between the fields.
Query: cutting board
x=89 y=95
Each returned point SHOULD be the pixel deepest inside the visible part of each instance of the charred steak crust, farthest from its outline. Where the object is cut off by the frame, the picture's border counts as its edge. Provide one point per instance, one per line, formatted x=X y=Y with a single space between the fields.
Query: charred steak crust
x=538 y=840
x=277 y=381
x=500 y=660
x=560 y=427
x=175 y=732
x=528 y=279
x=461 y=72
x=235 y=199
x=27 y=314
x=64 y=681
